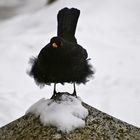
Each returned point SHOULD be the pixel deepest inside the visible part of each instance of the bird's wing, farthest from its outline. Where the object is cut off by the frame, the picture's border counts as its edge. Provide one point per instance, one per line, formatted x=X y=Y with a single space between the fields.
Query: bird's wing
x=43 y=54
x=79 y=52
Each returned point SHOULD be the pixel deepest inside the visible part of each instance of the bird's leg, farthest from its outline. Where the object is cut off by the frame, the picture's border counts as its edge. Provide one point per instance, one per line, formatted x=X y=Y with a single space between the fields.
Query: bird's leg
x=74 y=91
x=54 y=91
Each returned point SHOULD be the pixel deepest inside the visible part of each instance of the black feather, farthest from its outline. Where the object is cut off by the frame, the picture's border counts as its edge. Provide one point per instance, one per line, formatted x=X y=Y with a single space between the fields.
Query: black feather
x=69 y=61
x=67 y=22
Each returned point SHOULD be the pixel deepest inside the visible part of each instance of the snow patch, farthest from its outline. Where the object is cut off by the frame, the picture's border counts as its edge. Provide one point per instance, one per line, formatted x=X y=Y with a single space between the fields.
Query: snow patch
x=66 y=114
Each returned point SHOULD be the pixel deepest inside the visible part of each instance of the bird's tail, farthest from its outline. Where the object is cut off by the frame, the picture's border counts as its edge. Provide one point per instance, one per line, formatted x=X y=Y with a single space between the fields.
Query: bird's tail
x=67 y=21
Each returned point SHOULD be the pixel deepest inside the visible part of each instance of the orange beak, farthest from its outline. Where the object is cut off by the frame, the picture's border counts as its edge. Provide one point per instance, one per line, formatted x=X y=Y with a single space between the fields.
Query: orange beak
x=54 y=45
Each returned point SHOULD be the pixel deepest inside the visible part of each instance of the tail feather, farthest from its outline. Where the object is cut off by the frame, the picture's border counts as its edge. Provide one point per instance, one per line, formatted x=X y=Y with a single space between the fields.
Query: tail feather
x=67 y=22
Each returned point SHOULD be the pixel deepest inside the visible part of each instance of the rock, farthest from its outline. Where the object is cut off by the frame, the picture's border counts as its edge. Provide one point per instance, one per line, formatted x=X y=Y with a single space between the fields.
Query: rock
x=99 y=126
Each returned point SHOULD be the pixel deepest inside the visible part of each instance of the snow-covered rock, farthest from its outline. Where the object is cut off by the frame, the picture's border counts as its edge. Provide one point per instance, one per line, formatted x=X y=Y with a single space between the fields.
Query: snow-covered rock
x=66 y=114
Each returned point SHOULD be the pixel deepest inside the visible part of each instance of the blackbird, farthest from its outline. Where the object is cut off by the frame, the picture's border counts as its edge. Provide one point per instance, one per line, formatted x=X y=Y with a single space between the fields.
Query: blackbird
x=63 y=59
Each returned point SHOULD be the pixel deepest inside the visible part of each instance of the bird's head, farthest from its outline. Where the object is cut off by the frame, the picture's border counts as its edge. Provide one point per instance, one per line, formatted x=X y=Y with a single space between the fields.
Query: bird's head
x=56 y=42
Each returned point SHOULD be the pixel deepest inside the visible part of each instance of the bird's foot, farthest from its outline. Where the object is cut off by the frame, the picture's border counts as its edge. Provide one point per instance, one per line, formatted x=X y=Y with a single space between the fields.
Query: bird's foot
x=54 y=92
x=74 y=93
x=54 y=95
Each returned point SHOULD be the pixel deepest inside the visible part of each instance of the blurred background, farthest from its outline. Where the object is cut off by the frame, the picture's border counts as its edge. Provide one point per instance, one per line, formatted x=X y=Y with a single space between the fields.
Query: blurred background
x=108 y=29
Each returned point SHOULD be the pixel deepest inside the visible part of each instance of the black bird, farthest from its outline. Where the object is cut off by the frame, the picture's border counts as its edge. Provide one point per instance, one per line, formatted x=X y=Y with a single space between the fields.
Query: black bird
x=62 y=60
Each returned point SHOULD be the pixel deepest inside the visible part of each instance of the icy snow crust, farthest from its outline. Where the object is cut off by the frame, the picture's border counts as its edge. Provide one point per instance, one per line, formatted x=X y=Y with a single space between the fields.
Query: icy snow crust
x=66 y=114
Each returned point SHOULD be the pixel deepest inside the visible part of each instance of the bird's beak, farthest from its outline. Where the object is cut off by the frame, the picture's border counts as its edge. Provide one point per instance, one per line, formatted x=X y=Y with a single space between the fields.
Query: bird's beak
x=54 y=45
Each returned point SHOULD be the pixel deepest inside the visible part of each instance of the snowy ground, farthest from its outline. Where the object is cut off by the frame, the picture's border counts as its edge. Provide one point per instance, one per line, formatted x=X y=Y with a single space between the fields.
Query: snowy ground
x=110 y=32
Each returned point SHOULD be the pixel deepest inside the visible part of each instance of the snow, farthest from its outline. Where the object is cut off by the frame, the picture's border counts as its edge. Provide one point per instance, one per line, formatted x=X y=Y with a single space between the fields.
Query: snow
x=110 y=32
x=66 y=114
x=11 y=8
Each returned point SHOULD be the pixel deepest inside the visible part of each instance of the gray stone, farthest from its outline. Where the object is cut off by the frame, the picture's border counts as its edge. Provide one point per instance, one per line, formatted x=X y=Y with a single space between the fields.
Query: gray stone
x=99 y=126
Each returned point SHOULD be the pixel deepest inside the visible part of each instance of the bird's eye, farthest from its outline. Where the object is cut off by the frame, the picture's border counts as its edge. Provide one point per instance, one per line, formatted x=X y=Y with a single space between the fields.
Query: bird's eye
x=54 y=45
